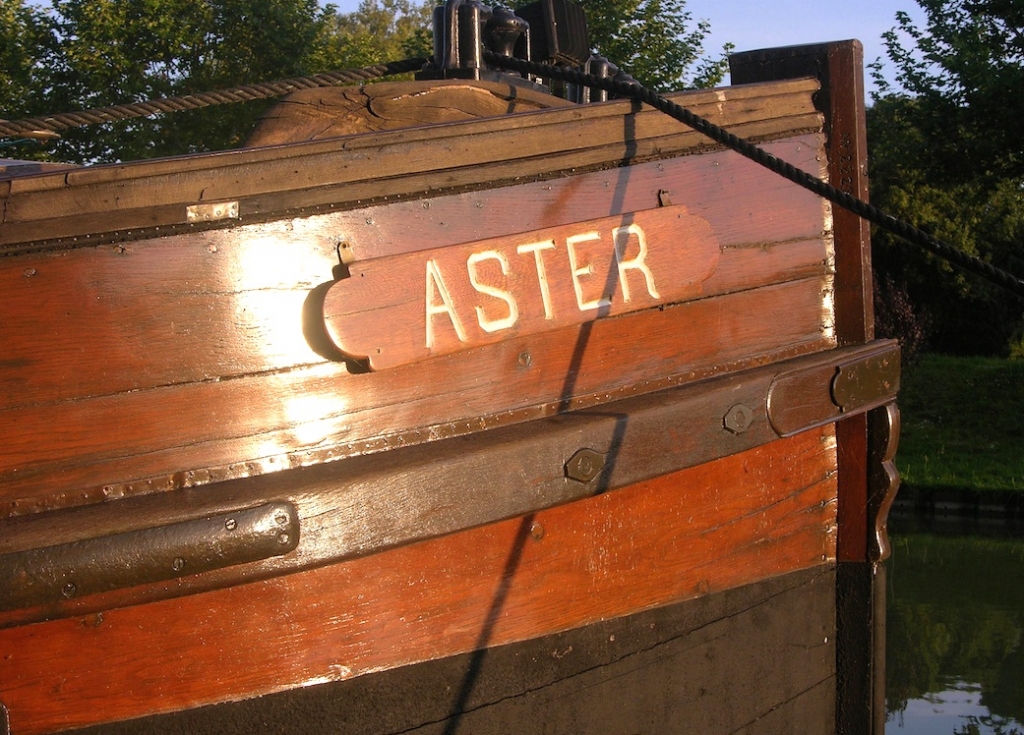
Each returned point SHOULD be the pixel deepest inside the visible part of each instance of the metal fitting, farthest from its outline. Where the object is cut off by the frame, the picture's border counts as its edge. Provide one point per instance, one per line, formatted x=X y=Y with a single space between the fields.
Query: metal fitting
x=738 y=419
x=584 y=466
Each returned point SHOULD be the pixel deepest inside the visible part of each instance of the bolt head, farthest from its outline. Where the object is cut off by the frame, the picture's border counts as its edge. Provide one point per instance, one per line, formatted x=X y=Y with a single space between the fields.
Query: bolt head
x=584 y=466
x=738 y=419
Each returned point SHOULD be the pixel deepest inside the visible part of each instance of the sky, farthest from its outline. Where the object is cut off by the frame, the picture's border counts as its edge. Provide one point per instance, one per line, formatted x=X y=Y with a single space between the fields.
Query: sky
x=755 y=25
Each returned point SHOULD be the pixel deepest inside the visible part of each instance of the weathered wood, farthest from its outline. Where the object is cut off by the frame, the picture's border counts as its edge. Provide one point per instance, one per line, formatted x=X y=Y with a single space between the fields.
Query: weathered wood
x=372 y=503
x=490 y=290
x=313 y=114
x=726 y=662
x=651 y=544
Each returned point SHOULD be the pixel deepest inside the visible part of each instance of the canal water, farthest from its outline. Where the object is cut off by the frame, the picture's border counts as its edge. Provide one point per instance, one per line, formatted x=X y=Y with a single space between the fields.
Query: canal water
x=955 y=635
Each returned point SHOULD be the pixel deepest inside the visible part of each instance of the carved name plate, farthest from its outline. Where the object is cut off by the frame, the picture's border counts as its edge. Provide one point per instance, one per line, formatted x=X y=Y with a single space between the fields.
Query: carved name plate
x=400 y=310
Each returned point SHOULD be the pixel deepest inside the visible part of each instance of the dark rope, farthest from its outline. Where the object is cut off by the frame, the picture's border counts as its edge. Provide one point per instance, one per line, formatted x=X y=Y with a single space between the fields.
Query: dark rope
x=871 y=213
x=245 y=93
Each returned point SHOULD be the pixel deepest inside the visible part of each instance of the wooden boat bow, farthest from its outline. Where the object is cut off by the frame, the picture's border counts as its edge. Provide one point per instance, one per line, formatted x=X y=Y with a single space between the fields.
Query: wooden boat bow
x=312 y=420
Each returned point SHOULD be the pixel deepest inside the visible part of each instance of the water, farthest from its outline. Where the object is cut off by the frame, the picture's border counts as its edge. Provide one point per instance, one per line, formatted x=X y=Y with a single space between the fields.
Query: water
x=955 y=636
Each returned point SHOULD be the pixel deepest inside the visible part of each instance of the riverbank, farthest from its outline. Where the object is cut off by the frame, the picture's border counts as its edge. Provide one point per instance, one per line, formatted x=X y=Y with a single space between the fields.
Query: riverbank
x=963 y=429
x=958 y=511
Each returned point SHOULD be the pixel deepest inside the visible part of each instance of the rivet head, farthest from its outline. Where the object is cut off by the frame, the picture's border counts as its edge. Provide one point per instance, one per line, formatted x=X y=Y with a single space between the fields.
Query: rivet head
x=283 y=538
x=738 y=419
x=537 y=531
x=230 y=524
x=178 y=564
x=69 y=590
x=584 y=466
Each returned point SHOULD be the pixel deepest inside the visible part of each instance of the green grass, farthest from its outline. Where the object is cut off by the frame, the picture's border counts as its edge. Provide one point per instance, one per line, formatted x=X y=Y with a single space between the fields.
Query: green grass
x=963 y=423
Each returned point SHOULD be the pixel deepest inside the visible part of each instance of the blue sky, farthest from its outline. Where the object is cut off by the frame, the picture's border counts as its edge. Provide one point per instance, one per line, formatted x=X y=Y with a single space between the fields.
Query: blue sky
x=753 y=25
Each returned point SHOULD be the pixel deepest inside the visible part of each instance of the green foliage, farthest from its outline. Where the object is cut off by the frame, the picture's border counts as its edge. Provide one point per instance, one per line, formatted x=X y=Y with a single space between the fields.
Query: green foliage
x=94 y=53
x=652 y=40
x=108 y=52
x=962 y=424
x=947 y=154
x=380 y=31
x=24 y=37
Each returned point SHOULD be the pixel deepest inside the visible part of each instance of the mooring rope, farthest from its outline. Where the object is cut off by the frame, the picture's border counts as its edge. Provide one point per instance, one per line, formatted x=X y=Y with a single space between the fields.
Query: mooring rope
x=869 y=212
x=246 y=93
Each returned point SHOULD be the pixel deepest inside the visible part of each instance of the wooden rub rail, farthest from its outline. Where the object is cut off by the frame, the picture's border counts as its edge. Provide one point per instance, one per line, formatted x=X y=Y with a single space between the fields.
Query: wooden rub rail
x=379 y=502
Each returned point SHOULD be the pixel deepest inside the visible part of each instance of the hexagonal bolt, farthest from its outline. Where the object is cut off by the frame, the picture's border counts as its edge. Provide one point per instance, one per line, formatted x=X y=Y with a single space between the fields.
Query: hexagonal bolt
x=738 y=419
x=584 y=466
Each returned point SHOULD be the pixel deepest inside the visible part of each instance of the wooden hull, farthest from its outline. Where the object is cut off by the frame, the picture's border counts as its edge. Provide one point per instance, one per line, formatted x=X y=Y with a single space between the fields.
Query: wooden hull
x=486 y=533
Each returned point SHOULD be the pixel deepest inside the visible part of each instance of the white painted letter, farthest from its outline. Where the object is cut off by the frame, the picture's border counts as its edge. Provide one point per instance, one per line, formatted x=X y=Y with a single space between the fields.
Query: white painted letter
x=621 y=237
x=542 y=274
x=587 y=269
x=436 y=284
x=492 y=325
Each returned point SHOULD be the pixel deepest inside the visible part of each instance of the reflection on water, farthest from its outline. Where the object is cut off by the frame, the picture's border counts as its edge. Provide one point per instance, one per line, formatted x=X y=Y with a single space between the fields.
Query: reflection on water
x=954 y=648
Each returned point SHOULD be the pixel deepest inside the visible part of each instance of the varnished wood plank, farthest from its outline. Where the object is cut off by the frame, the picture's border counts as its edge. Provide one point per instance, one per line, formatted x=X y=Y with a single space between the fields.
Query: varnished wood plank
x=371 y=503
x=152 y=218
x=226 y=304
x=710 y=528
x=585 y=680
x=645 y=673
x=170 y=436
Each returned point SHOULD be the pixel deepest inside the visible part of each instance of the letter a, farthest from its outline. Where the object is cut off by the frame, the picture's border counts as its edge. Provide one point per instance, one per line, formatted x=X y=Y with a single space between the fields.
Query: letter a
x=435 y=284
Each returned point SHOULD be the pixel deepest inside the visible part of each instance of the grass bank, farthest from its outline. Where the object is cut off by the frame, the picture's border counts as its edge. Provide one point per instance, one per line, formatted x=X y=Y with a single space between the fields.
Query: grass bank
x=963 y=423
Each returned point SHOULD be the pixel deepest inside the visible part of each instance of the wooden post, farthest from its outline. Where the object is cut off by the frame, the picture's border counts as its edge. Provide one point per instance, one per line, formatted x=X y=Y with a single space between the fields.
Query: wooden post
x=860 y=595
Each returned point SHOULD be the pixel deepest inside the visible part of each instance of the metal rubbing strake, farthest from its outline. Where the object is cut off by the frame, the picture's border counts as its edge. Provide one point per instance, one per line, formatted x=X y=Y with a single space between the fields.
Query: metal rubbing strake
x=50 y=574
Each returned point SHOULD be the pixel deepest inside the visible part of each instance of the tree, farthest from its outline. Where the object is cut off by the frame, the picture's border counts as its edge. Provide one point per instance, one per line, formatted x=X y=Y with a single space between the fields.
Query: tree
x=24 y=41
x=108 y=52
x=380 y=31
x=946 y=153
x=652 y=41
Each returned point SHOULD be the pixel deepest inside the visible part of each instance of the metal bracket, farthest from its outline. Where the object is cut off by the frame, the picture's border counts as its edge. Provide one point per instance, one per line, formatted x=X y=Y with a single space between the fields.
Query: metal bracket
x=862 y=382
x=802 y=399
x=55 y=573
